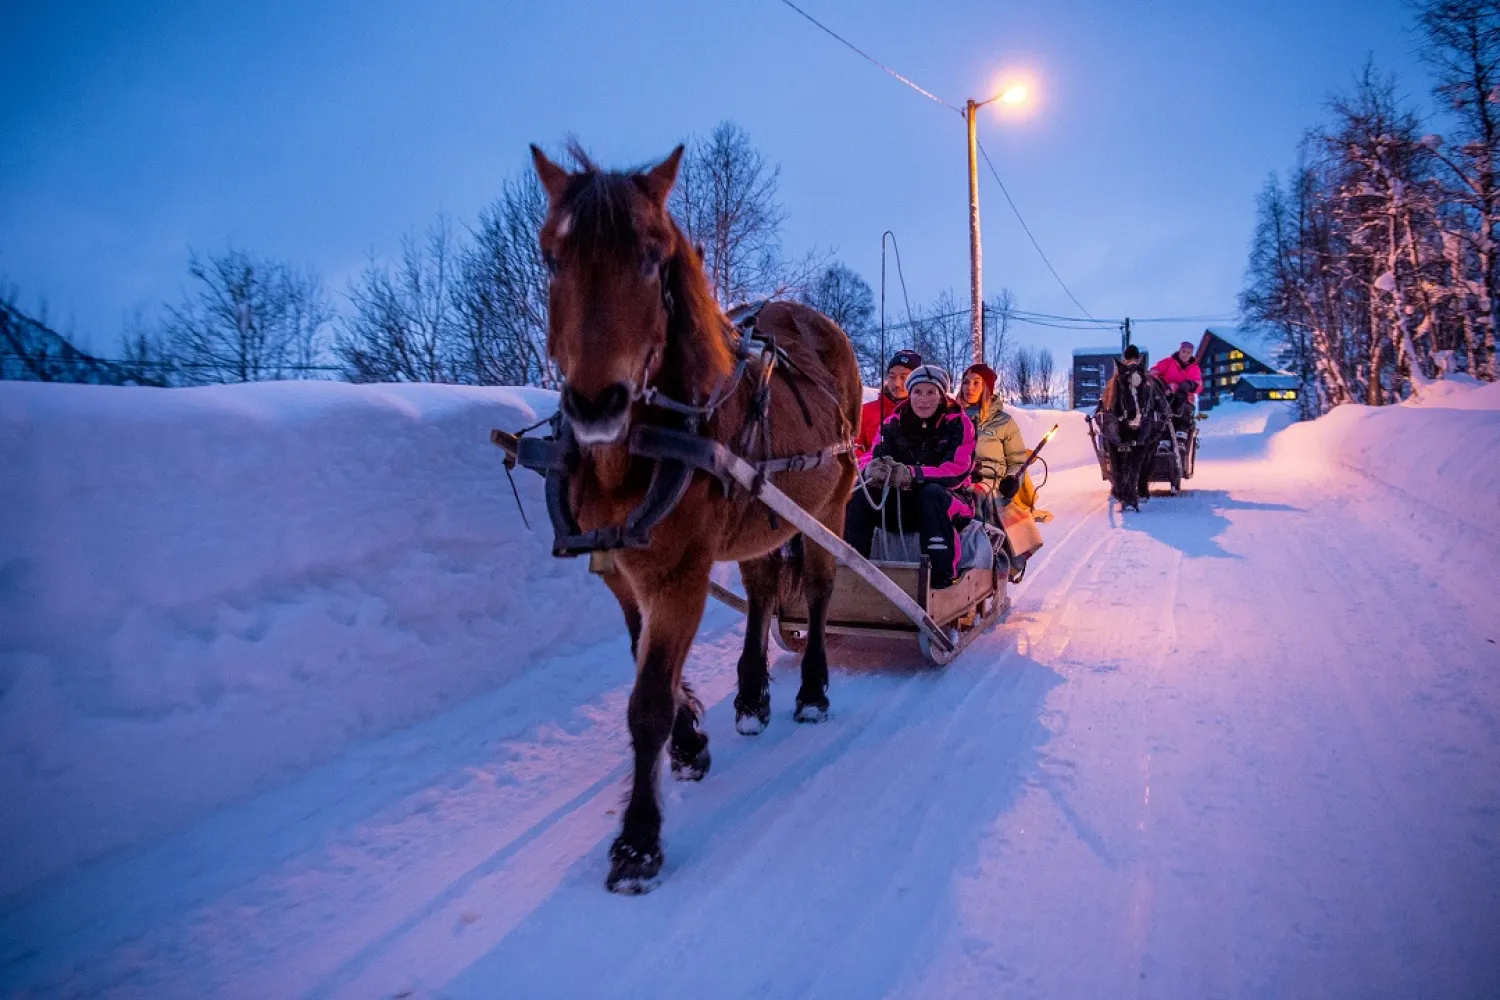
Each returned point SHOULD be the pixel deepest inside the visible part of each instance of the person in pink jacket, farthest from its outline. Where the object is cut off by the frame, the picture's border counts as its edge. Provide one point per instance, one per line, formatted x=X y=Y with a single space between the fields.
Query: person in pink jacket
x=1183 y=377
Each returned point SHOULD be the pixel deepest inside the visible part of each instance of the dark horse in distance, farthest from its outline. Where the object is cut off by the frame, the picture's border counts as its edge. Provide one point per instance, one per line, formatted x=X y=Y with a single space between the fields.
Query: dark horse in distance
x=641 y=344
x=1134 y=417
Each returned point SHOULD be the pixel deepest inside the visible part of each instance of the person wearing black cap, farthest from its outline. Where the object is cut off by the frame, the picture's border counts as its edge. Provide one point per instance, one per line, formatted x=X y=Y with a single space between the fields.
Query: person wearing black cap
x=892 y=392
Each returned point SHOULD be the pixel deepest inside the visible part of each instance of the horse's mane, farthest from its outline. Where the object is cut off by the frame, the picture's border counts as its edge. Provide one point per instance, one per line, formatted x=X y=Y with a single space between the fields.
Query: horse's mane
x=602 y=206
x=1109 y=396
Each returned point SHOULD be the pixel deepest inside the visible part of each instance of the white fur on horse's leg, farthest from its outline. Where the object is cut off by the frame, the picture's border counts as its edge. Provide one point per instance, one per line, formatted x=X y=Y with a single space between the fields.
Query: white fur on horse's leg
x=749 y=725
x=810 y=714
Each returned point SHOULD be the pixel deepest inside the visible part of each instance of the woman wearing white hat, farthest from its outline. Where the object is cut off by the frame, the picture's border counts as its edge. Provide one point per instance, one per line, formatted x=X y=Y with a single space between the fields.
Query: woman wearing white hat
x=924 y=451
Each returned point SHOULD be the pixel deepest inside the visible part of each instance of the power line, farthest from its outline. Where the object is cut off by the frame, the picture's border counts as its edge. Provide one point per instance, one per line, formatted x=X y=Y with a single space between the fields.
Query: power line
x=930 y=95
x=1059 y=326
x=1010 y=201
x=1066 y=319
x=1187 y=319
x=925 y=93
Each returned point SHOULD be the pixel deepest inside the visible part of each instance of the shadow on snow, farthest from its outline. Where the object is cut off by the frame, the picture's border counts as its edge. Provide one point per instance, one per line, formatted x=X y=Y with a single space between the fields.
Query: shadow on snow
x=1193 y=521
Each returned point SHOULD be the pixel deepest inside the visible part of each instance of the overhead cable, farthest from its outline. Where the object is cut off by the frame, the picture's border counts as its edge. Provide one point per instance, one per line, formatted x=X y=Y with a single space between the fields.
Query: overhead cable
x=925 y=93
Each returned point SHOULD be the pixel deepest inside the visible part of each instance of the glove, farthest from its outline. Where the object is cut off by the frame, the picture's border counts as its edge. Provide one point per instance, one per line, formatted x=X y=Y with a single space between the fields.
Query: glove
x=900 y=475
x=1009 y=487
x=877 y=471
x=1191 y=385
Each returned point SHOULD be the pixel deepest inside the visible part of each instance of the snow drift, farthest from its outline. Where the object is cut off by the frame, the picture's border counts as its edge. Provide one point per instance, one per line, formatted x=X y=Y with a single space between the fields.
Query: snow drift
x=205 y=590
x=1443 y=448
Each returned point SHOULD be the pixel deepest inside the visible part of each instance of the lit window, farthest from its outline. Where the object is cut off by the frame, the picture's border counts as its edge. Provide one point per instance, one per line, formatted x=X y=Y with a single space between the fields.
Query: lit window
x=1236 y=355
x=1238 y=366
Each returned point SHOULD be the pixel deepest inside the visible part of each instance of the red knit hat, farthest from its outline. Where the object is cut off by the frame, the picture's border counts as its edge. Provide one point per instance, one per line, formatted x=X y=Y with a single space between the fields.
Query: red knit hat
x=985 y=373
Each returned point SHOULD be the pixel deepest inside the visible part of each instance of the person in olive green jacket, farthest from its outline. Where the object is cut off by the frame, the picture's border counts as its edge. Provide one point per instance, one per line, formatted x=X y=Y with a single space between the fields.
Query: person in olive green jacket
x=999 y=451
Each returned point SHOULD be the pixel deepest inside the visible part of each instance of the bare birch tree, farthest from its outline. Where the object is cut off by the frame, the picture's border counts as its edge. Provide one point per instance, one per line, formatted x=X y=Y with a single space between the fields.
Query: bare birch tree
x=844 y=297
x=725 y=201
x=1462 y=45
x=246 y=320
x=405 y=326
x=944 y=336
x=501 y=298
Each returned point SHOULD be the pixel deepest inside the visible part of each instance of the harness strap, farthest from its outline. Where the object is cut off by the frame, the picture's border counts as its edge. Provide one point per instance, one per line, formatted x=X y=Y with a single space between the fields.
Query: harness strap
x=714 y=458
x=802 y=463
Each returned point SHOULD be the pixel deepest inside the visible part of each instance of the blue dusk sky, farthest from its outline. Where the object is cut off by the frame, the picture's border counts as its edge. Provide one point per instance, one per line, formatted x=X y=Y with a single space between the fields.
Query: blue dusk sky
x=320 y=133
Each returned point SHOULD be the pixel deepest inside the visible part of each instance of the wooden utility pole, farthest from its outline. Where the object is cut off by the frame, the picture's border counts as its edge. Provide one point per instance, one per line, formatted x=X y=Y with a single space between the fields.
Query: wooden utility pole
x=976 y=288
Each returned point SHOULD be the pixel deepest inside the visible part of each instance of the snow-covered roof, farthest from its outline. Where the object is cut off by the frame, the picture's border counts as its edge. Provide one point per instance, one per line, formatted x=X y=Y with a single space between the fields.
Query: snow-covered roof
x=1257 y=344
x=1081 y=352
x=1269 y=381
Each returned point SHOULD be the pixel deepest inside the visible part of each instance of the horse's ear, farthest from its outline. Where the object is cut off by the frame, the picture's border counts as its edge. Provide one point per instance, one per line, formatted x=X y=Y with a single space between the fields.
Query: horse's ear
x=554 y=178
x=657 y=182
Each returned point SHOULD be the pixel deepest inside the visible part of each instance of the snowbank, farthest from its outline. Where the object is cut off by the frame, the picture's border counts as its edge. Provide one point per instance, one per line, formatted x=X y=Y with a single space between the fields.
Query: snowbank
x=1234 y=419
x=1443 y=448
x=206 y=591
x=203 y=590
x=1070 y=448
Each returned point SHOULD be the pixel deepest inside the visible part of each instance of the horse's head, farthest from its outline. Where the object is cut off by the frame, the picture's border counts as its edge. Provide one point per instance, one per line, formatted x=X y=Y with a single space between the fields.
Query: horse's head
x=613 y=252
x=1126 y=391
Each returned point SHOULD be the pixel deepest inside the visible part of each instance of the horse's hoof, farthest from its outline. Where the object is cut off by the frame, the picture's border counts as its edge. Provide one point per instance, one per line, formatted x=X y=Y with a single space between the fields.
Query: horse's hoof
x=693 y=768
x=750 y=725
x=811 y=711
x=633 y=872
x=752 y=720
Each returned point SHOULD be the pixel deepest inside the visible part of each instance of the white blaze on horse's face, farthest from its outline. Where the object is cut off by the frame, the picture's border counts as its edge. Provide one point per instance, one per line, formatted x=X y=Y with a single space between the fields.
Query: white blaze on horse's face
x=604 y=241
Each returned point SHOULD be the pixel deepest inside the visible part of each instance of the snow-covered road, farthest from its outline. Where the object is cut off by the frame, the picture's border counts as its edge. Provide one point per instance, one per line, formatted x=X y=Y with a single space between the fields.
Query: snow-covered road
x=1245 y=743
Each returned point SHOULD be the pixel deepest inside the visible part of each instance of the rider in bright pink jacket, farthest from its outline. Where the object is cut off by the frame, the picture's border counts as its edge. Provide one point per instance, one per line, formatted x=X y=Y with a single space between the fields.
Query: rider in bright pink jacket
x=1181 y=369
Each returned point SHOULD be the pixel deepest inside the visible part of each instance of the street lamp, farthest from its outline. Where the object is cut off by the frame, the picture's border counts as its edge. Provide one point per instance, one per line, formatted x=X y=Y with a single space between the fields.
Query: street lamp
x=1014 y=94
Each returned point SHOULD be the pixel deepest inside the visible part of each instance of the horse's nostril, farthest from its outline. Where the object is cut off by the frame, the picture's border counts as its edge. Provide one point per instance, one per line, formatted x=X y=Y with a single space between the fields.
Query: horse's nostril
x=608 y=404
x=612 y=401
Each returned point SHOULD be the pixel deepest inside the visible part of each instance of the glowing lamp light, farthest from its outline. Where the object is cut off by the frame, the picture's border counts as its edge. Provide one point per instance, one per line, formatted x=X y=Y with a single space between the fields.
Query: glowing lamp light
x=1015 y=94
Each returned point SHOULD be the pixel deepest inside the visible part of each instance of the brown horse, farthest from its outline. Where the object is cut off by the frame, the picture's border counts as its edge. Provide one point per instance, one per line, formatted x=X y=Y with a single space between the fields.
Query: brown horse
x=633 y=323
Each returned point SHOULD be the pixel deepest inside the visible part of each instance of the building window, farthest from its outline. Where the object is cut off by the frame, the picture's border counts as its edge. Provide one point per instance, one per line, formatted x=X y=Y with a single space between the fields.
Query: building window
x=1236 y=355
x=1238 y=366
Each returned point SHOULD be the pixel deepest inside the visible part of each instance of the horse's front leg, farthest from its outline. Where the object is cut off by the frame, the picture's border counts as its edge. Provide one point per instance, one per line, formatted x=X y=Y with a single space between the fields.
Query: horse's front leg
x=672 y=602
x=629 y=606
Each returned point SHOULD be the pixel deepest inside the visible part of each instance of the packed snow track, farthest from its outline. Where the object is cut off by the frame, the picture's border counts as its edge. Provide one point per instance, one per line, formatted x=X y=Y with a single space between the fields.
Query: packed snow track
x=1245 y=743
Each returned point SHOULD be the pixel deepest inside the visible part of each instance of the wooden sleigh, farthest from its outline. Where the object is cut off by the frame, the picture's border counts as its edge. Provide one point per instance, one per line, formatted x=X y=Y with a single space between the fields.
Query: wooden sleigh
x=888 y=598
x=976 y=601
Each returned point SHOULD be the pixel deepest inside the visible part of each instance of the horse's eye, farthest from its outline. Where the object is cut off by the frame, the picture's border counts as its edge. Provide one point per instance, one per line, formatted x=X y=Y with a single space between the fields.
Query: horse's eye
x=551 y=262
x=651 y=262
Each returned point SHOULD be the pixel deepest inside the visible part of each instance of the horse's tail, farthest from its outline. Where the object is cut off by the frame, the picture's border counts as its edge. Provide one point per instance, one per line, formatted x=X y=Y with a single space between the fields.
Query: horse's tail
x=791 y=565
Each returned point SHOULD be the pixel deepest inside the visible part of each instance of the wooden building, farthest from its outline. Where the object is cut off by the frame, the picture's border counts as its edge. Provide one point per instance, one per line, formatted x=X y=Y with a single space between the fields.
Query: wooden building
x=1226 y=356
x=1258 y=388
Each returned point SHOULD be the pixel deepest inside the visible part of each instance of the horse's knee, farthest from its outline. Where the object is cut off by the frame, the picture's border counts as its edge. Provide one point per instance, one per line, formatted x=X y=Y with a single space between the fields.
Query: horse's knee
x=652 y=702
